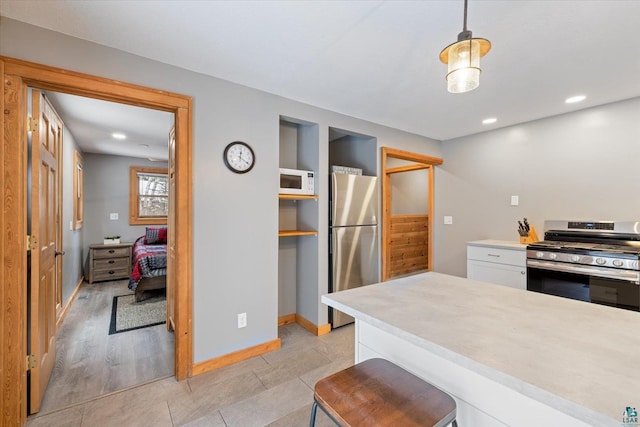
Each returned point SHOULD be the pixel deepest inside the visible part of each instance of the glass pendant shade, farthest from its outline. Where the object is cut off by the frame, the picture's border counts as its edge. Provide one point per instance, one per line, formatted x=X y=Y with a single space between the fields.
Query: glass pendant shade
x=464 y=66
x=463 y=60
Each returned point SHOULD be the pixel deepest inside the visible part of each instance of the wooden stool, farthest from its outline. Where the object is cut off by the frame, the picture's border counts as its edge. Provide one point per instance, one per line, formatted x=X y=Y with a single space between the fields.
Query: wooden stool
x=378 y=393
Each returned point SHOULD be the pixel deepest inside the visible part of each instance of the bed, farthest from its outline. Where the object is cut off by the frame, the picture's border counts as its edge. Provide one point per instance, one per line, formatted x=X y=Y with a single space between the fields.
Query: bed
x=149 y=262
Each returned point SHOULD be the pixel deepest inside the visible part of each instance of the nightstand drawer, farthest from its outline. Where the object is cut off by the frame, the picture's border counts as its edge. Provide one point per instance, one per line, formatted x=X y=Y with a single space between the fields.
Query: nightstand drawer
x=111 y=252
x=119 y=273
x=110 y=264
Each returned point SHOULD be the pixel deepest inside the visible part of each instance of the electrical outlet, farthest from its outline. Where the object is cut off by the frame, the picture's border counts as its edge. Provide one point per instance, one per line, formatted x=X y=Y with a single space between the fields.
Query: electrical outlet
x=448 y=220
x=242 y=320
x=113 y=216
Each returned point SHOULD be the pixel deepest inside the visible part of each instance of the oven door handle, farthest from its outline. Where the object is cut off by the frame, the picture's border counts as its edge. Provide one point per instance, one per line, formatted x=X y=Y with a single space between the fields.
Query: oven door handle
x=629 y=276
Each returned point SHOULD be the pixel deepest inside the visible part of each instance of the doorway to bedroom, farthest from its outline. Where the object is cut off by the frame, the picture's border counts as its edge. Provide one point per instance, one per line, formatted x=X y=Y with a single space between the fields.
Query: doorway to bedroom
x=18 y=76
x=112 y=331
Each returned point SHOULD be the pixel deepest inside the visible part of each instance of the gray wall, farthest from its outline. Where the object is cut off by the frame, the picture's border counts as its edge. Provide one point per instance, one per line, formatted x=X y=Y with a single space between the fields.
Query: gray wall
x=409 y=190
x=582 y=165
x=106 y=181
x=235 y=237
x=356 y=152
x=72 y=261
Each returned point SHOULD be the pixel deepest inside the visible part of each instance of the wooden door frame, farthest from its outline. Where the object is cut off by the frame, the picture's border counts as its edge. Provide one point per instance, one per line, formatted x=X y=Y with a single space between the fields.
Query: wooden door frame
x=422 y=162
x=17 y=76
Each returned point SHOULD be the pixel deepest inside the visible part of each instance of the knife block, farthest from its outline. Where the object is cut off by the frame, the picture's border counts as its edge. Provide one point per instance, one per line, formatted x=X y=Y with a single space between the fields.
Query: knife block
x=531 y=237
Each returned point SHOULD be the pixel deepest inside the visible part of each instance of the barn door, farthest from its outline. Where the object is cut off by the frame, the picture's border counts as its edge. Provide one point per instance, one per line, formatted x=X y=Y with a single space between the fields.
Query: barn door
x=44 y=297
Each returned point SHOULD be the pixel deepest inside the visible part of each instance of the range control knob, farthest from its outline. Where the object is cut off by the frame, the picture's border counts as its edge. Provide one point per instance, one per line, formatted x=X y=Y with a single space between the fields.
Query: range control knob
x=601 y=261
x=617 y=262
x=634 y=265
x=553 y=256
x=575 y=258
x=539 y=254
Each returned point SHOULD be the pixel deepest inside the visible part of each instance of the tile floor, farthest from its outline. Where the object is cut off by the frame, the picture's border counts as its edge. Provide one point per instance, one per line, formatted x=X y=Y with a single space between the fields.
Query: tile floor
x=275 y=389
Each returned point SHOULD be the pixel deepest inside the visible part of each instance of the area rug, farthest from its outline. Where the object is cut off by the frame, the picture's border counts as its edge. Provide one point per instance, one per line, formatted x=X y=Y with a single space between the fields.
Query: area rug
x=127 y=315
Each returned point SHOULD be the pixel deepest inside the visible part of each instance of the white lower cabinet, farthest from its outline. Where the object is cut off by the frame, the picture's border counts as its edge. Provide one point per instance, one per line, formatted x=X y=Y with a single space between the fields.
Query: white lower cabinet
x=481 y=401
x=506 y=265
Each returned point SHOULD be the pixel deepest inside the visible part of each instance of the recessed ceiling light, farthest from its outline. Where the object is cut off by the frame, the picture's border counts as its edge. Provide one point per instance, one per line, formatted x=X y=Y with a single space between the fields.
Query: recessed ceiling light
x=118 y=135
x=574 y=99
x=489 y=121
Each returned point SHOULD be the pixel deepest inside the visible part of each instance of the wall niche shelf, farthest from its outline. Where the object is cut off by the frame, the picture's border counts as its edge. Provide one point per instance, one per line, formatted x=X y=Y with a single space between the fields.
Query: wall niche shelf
x=293 y=233
x=296 y=197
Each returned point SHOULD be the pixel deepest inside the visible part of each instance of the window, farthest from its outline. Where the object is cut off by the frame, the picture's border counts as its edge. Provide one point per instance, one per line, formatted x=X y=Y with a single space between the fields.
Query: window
x=78 y=190
x=148 y=195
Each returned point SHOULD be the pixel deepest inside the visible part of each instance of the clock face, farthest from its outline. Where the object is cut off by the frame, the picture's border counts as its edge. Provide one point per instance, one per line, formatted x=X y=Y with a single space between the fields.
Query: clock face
x=239 y=157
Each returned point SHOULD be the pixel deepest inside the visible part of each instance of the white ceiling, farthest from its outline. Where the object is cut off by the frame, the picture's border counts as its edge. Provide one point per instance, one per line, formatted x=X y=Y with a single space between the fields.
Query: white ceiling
x=378 y=60
x=92 y=123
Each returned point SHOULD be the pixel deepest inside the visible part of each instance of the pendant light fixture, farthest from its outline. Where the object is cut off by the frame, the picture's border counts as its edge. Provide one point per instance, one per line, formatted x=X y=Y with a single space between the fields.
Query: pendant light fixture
x=463 y=58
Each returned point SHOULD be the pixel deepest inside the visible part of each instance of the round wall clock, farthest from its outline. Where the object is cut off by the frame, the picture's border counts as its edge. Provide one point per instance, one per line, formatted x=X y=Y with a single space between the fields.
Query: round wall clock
x=239 y=157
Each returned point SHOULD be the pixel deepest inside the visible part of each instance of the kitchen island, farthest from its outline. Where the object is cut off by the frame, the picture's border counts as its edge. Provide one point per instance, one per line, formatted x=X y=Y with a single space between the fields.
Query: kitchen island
x=508 y=357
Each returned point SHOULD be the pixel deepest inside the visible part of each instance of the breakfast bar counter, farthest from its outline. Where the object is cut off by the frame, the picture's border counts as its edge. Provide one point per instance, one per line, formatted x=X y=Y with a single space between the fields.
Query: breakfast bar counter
x=508 y=357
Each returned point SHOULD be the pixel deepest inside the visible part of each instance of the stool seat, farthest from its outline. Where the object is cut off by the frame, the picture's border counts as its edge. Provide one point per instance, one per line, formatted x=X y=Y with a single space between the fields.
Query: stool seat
x=378 y=393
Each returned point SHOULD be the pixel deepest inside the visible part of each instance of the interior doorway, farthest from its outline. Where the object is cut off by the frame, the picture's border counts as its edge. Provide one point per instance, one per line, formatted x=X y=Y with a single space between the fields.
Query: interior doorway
x=101 y=320
x=17 y=76
x=407 y=212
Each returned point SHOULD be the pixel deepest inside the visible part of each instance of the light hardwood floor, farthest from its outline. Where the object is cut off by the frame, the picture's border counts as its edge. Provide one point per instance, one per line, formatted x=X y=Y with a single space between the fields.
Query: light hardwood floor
x=275 y=389
x=92 y=363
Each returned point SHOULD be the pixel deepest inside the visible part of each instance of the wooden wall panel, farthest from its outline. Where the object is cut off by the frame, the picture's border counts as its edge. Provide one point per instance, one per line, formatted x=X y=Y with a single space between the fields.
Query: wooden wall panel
x=408 y=244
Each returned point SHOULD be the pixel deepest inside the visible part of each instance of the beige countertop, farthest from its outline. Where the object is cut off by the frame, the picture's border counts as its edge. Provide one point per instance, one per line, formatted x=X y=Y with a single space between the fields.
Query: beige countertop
x=582 y=359
x=503 y=244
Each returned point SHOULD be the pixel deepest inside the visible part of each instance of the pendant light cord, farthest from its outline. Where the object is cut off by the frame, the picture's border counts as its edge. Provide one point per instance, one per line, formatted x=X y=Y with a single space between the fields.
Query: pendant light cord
x=464 y=26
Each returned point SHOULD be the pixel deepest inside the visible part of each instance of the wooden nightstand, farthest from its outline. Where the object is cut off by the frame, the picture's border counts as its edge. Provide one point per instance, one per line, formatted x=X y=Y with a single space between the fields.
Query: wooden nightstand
x=108 y=262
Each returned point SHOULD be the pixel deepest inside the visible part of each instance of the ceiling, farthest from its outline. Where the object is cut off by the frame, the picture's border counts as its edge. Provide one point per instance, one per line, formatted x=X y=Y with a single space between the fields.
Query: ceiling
x=93 y=123
x=376 y=60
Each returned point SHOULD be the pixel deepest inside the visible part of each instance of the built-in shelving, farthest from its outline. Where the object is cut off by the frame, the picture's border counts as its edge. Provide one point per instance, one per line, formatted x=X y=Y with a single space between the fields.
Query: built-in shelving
x=300 y=282
x=293 y=233
x=296 y=197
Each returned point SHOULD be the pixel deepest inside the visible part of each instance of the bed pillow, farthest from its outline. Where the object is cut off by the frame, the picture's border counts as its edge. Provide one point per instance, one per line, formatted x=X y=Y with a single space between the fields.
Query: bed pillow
x=155 y=236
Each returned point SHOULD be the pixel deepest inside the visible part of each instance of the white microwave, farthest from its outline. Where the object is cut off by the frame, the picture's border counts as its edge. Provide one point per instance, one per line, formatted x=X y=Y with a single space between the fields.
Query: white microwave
x=294 y=181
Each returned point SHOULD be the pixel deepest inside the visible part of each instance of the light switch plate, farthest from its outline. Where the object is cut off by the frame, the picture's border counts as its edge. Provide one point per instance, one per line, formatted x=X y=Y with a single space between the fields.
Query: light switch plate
x=448 y=219
x=515 y=200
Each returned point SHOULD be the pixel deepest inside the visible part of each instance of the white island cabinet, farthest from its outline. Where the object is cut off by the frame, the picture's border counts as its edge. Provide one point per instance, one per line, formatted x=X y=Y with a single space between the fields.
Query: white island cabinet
x=508 y=358
x=497 y=261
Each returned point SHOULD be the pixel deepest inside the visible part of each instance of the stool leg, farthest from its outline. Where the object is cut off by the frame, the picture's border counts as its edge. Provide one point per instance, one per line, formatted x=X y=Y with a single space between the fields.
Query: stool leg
x=454 y=423
x=314 y=409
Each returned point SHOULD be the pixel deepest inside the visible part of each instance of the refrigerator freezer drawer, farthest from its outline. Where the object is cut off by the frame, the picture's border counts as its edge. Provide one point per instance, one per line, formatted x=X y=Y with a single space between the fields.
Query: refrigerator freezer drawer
x=355 y=262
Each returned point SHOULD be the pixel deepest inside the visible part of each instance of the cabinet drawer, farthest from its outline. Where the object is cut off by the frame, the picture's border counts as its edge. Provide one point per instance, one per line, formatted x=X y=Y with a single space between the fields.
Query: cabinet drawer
x=497 y=255
x=110 y=264
x=119 y=273
x=111 y=252
x=500 y=274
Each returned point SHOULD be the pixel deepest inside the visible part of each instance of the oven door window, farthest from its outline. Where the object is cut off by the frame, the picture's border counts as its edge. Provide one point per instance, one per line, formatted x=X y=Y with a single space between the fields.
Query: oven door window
x=562 y=284
x=615 y=293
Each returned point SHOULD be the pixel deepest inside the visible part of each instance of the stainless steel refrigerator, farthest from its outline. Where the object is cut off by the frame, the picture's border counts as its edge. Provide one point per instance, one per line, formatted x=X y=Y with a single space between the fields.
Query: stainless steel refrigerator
x=354 y=236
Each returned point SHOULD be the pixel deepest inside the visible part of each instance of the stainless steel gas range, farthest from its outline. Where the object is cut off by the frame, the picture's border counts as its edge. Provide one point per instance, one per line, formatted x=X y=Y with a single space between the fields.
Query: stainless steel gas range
x=593 y=261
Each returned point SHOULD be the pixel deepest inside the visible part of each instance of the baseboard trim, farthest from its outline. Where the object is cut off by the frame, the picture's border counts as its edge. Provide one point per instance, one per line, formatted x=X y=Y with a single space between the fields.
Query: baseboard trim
x=63 y=313
x=285 y=320
x=311 y=327
x=236 y=356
